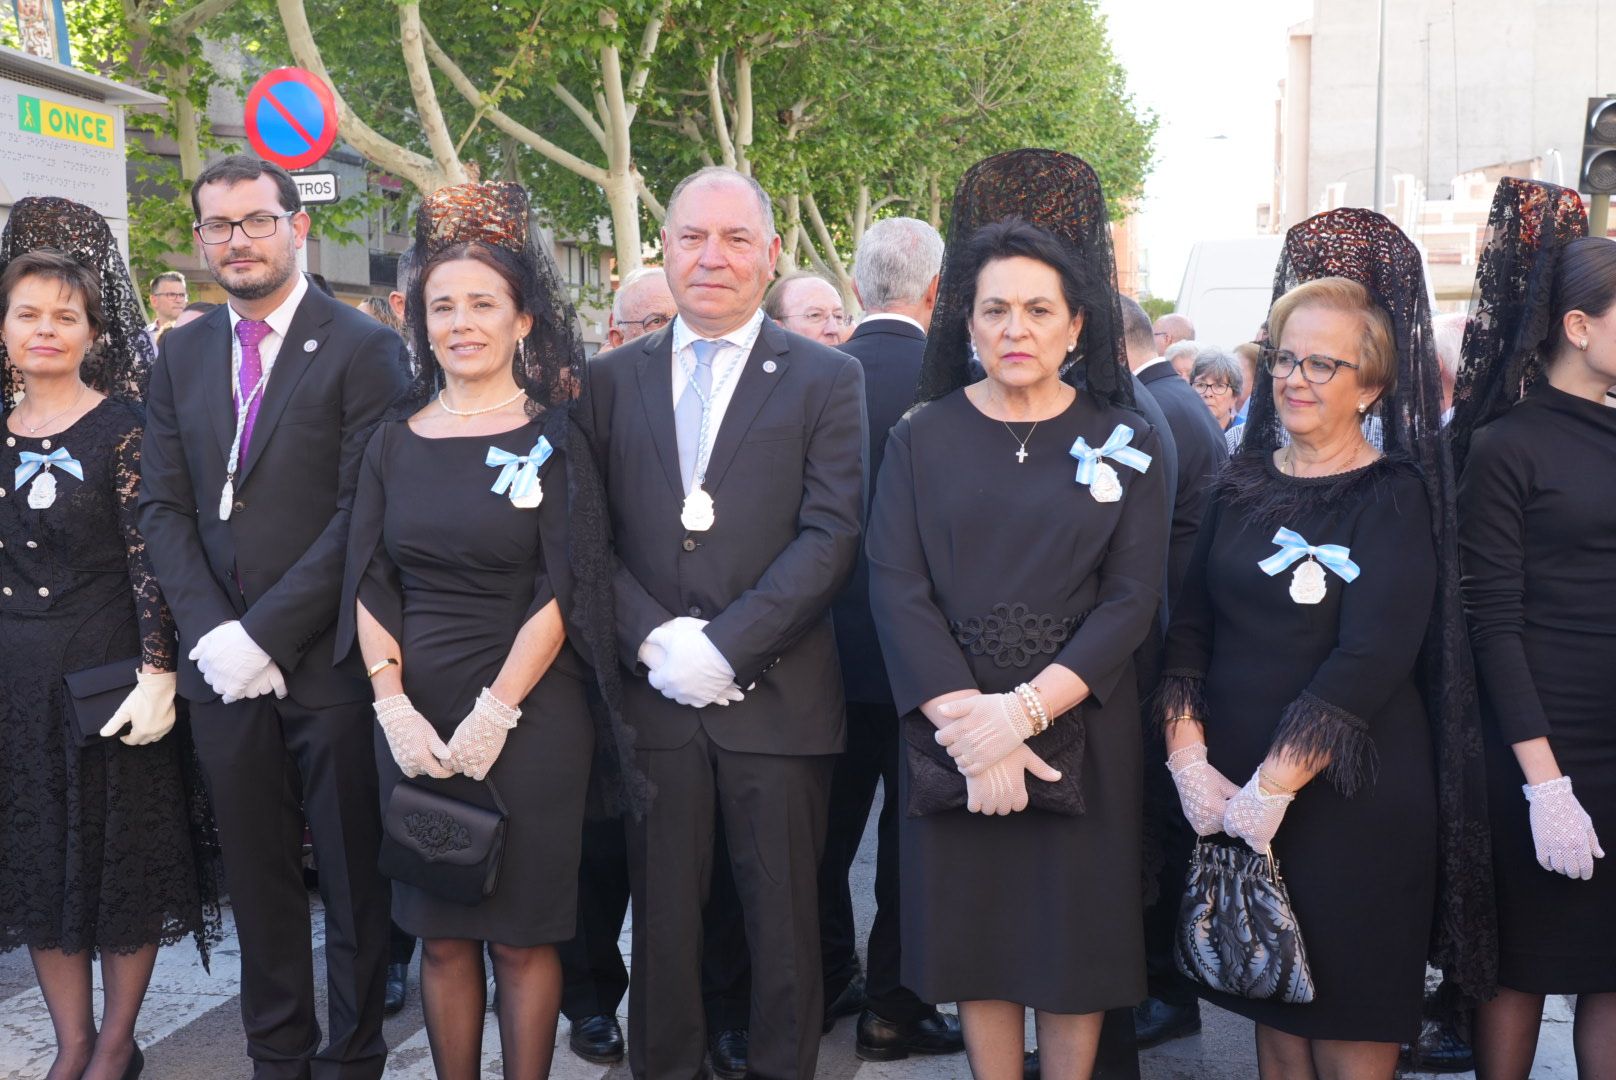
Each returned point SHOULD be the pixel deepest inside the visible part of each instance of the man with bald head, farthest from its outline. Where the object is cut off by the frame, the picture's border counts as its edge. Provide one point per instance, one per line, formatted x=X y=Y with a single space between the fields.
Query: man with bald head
x=807 y=304
x=1170 y=329
x=643 y=305
x=733 y=458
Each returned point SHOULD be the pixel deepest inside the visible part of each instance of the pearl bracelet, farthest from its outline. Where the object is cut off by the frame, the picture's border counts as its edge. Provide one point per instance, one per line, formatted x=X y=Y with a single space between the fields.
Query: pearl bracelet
x=1033 y=702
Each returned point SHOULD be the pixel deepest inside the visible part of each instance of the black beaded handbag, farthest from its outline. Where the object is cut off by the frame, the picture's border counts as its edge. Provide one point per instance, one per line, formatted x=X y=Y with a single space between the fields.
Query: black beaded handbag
x=1236 y=930
x=442 y=845
x=936 y=784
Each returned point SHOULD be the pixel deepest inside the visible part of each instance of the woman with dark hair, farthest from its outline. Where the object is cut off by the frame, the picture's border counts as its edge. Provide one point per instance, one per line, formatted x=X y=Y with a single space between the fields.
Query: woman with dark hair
x=1018 y=543
x=100 y=852
x=1537 y=501
x=478 y=592
x=1316 y=658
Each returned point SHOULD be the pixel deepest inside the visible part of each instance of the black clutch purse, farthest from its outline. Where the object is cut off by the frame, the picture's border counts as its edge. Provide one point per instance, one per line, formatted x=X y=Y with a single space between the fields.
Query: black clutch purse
x=936 y=784
x=94 y=694
x=442 y=845
x=1236 y=930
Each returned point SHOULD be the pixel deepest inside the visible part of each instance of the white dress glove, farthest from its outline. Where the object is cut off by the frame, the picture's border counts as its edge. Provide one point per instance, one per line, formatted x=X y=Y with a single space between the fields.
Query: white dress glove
x=148 y=710
x=410 y=736
x=1001 y=788
x=1203 y=792
x=985 y=729
x=232 y=663
x=476 y=743
x=1562 y=831
x=692 y=672
x=1253 y=816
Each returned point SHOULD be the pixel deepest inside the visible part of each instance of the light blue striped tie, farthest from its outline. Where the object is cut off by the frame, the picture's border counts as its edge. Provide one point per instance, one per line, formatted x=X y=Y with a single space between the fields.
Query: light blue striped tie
x=687 y=415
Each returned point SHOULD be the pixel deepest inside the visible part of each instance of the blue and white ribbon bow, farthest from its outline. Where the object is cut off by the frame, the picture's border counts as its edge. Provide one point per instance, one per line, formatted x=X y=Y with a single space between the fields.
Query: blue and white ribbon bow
x=1116 y=448
x=32 y=463
x=518 y=475
x=1293 y=548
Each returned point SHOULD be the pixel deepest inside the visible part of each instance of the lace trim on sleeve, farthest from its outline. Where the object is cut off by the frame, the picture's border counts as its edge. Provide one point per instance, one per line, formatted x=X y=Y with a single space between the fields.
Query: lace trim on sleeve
x=1312 y=732
x=157 y=645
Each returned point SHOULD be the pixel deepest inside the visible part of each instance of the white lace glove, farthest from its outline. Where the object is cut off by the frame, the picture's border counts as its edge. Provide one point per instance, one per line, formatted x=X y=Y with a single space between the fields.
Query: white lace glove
x=1001 y=788
x=985 y=729
x=1253 y=816
x=1203 y=792
x=410 y=736
x=148 y=710
x=476 y=743
x=692 y=671
x=231 y=662
x=1562 y=831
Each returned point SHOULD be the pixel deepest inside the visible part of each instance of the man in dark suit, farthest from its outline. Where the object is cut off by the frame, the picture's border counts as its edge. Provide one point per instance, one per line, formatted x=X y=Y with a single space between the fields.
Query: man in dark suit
x=895 y=279
x=732 y=454
x=257 y=417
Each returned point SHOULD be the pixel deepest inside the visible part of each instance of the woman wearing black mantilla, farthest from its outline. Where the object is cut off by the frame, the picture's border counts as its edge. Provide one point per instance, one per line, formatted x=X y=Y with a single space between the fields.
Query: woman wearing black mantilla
x=1537 y=499
x=1017 y=546
x=479 y=593
x=1317 y=657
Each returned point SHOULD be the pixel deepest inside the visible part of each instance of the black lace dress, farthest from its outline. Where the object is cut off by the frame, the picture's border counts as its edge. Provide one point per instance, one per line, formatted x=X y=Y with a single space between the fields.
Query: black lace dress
x=101 y=845
x=1358 y=847
x=453 y=571
x=1537 y=507
x=983 y=571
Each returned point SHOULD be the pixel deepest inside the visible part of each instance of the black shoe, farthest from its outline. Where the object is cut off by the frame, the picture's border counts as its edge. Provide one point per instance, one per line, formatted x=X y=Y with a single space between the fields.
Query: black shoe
x=850 y=1002
x=729 y=1054
x=398 y=980
x=597 y=1039
x=137 y=1065
x=1030 y=1068
x=880 y=1039
x=1441 y=1051
x=1156 y=1022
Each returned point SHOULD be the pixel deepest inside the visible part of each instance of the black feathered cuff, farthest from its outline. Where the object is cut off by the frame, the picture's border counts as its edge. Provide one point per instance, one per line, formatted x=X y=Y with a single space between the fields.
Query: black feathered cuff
x=1312 y=731
x=1179 y=695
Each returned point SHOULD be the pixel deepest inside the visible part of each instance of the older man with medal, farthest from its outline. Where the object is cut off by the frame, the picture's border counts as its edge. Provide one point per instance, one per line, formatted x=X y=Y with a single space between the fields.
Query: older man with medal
x=733 y=454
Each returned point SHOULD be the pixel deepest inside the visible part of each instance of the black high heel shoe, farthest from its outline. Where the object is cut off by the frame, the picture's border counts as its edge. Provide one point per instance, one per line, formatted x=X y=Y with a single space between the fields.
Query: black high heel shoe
x=137 y=1063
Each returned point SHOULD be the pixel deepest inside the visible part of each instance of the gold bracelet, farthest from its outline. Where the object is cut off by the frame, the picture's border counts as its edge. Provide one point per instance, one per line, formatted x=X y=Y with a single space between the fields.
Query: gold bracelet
x=379 y=666
x=1171 y=720
x=1273 y=786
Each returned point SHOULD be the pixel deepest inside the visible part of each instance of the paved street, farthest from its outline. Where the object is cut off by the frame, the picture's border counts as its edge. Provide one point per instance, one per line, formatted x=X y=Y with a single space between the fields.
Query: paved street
x=190 y=1029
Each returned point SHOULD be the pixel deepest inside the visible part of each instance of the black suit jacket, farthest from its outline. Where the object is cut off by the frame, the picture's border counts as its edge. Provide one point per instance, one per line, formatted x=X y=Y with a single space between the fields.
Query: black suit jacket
x=786 y=477
x=287 y=536
x=891 y=352
x=1201 y=451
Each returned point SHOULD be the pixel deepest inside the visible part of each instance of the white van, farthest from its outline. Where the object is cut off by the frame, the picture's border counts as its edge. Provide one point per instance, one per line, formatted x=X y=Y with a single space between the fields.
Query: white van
x=1227 y=287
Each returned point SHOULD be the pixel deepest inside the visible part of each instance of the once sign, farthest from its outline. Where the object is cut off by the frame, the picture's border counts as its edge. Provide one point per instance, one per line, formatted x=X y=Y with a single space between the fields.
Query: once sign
x=291 y=117
x=316 y=188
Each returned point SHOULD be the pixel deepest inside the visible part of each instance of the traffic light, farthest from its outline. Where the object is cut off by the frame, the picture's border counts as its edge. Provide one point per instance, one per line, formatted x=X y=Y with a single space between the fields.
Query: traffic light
x=1598 y=174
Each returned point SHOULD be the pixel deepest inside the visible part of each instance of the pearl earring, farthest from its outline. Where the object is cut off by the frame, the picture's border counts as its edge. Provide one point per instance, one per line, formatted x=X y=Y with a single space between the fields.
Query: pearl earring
x=1362 y=408
x=1583 y=344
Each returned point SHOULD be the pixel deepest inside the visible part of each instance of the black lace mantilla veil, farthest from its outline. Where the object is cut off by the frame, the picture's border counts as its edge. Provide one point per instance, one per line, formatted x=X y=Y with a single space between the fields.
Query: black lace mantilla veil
x=549 y=366
x=1060 y=194
x=1530 y=223
x=119 y=363
x=1367 y=248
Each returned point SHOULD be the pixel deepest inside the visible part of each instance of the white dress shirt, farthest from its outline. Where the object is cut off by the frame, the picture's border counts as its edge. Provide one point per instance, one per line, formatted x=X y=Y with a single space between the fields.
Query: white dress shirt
x=279 y=320
x=737 y=346
x=899 y=316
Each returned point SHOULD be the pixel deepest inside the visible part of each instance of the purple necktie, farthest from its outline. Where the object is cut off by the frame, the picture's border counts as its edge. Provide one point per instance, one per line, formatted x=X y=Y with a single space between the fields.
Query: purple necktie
x=250 y=332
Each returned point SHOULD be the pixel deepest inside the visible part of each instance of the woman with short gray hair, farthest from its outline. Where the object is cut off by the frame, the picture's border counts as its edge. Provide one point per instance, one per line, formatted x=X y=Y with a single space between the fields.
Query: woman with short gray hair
x=1217 y=377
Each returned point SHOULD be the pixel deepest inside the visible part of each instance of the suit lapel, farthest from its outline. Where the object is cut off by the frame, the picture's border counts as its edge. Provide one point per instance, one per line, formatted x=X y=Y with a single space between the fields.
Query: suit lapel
x=218 y=399
x=656 y=396
x=310 y=324
x=752 y=389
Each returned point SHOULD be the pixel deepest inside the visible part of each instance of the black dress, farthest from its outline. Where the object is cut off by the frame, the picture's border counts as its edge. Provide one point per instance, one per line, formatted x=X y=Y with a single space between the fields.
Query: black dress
x=99 y=850
x=1037 y=907
x=453 y=571
x=1335 y=676
x=1537 y=515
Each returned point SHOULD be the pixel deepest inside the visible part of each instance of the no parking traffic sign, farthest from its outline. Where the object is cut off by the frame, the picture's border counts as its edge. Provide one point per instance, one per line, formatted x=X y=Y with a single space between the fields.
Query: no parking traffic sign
x=291 y=117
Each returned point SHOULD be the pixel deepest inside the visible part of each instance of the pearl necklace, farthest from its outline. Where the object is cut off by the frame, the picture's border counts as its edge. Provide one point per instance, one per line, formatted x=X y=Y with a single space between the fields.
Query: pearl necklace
x=444 y=405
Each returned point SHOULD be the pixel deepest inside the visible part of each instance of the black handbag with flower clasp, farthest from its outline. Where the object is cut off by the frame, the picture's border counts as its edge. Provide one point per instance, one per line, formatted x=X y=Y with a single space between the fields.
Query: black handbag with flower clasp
x=442 y=845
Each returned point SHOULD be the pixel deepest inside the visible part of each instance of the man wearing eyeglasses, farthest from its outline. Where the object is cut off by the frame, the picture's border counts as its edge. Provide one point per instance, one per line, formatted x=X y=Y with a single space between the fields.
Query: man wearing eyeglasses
x=807 y=304
x=256 y=421
x=643 y=305
x=168 y=299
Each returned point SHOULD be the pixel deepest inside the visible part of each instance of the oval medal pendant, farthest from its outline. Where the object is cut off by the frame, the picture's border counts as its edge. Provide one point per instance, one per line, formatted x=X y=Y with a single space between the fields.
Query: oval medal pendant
x=1307 y=583
x=1106 y=488
x=697 y=515
x=530 y=499
x=226 y=497
x=42 y=492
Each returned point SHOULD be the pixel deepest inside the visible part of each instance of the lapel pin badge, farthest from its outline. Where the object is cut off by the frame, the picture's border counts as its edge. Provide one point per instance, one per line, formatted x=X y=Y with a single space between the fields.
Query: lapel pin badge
x=310 y=345
x=769 y=367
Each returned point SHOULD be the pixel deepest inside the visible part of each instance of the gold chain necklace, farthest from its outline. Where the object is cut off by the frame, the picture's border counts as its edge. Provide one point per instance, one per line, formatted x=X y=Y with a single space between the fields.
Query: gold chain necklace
x=33 y=428
x=1289 y=467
